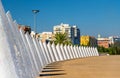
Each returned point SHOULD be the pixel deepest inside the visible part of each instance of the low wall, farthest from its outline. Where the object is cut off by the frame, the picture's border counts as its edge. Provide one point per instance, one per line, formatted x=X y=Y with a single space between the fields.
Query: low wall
x=22 y=56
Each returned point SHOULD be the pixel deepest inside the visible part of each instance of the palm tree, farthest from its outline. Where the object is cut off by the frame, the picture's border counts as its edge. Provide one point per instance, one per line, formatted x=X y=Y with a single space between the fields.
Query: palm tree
x=62 y=38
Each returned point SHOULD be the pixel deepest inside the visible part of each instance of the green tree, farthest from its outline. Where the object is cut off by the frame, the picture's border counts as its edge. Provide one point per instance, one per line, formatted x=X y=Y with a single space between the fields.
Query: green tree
x=114 y=49
x=62 y=38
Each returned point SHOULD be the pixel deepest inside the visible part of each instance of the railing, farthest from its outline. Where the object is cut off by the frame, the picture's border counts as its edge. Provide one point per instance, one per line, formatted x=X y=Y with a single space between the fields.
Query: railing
x=22 y=56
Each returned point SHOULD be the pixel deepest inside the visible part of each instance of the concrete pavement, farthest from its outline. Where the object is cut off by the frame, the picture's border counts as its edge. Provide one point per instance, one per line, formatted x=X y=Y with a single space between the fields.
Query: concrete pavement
x=92 y=67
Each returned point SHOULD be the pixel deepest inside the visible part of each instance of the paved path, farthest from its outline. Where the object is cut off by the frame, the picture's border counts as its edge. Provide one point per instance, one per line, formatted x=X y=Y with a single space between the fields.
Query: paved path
x=92 y=67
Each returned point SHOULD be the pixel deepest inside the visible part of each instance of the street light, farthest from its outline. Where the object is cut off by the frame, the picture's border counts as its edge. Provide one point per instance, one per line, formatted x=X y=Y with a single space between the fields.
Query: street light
x=35 y=13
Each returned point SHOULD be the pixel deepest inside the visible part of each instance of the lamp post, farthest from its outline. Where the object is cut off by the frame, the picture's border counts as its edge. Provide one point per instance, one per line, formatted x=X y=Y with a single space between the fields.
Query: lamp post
x=35 y=13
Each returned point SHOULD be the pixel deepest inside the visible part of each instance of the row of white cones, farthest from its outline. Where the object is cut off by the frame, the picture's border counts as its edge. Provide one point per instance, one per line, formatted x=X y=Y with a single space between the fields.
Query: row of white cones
x=22 y=56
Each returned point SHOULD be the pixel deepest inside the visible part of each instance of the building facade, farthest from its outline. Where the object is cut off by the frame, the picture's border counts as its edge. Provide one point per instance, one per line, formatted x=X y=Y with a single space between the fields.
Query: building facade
x=76 y=38
x=46 y=36
x=114 y=39
x=72 y=32
x=88 y=41
x=103 y=42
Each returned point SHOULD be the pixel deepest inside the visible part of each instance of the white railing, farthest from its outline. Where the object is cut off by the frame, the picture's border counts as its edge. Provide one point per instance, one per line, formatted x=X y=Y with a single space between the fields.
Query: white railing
x=22 y=56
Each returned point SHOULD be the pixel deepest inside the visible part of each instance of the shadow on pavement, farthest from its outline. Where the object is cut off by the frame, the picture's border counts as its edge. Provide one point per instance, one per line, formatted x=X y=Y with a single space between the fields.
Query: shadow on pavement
x=54 y=74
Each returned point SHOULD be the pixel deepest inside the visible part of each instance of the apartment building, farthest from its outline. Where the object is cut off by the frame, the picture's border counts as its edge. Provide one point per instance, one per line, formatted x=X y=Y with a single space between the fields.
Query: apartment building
x=73 y=32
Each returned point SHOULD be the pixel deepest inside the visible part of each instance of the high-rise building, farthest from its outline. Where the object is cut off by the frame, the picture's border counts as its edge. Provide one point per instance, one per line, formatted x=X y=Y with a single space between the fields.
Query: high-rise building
x=73 y=32
x=76 y=38
x=88 y=41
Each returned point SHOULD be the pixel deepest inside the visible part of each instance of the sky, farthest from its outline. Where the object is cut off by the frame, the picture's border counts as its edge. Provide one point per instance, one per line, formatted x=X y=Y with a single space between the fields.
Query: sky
x=92 y=17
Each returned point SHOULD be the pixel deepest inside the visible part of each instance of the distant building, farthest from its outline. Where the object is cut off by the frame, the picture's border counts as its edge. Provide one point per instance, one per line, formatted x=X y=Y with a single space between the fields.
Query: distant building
x=103 y=42
x=76 y=38
x=88 y=41
x=46 y=36
x=25 y=28
x=72 y=31
x=114 y=39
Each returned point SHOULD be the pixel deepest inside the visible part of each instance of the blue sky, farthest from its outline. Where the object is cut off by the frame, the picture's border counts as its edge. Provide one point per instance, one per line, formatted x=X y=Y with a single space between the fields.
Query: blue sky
x=93 y=17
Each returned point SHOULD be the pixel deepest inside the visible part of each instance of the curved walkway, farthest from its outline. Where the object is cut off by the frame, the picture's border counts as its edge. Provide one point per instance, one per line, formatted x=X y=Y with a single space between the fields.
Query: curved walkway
x=92 y=67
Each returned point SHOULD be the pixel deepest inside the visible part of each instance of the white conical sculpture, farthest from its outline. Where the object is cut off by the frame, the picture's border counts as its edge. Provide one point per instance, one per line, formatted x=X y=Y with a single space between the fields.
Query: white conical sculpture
x=66 y=52
x=11 y=59
x=81 y=54
x=6 y=60
x=93 y=50
x=25 y=62
x=87 y=51
x=44 y=54
x=30 y=43
x=74 y=54
x=18 y=44
x=59 y=52
x=47 y=52
x=72 y=51
x=90 y=51
x=35 y=54
x=69 y=51
x=51 y=52
x=78 y=52
x=31 y=62
x=40 y=54
x=63 y=52
x=55 y=52
x=38 y=58
x=20 y=53
x=96 y=51
x=75 y=51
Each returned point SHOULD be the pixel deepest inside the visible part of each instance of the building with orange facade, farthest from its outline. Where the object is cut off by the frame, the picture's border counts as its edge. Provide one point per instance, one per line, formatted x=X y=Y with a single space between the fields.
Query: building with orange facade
x=103 y=42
